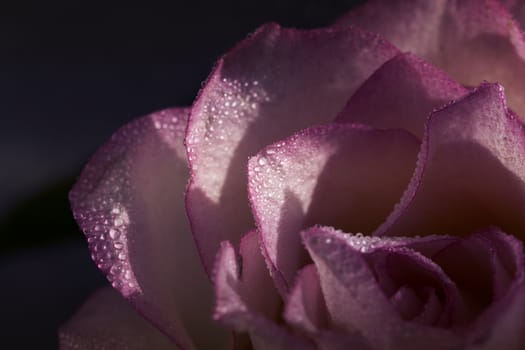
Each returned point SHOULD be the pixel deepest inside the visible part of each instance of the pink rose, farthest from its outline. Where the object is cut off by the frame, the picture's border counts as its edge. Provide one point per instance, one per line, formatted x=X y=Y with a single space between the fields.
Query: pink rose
x=343 y=190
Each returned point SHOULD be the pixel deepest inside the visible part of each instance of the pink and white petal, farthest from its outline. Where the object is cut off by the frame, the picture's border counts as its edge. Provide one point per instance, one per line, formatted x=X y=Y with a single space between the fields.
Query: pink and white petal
x=471 y=40
x=408 y=89
x=354 y=298
x=233 y=310
x=294 y=184
x=305 y=308
x=274 y=83
x=129 y=203
x=470 y=172
x=107 y=321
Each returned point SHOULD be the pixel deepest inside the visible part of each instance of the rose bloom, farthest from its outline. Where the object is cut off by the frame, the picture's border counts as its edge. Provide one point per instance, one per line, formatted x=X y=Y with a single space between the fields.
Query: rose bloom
x=360 y=186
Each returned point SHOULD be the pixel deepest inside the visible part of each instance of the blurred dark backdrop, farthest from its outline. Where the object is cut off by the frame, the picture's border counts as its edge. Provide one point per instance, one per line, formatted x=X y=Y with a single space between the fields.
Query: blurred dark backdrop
x=70 y=74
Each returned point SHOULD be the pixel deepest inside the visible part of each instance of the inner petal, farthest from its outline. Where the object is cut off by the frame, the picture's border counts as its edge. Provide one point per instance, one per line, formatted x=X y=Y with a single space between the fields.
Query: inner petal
x=470 y=172
x=413 y=277
x=407 y=303
x=342 y=175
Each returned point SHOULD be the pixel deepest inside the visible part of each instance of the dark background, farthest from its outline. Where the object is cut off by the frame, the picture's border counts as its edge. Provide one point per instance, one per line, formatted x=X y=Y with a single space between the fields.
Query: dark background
x=71 y=73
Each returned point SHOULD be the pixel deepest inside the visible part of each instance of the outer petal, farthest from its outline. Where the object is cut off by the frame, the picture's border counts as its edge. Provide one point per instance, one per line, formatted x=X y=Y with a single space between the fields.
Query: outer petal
x=236 y=306
x=107 y=321
x=354 y=298
x=471 y=40
x=407 y=89
x=294 y=184
x=274 y=83
x=129 y=203
x=470 y=172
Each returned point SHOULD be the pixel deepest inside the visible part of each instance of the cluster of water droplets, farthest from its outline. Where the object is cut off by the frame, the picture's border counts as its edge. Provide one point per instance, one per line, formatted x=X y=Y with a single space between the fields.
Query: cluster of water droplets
x=266 y=174
x=366 y=244
x=221 y=117
x=104 y=228
x=101 y=203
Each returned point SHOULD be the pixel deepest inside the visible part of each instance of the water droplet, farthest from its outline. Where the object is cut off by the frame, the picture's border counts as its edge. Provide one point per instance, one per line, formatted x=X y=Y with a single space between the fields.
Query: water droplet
x=113 y=233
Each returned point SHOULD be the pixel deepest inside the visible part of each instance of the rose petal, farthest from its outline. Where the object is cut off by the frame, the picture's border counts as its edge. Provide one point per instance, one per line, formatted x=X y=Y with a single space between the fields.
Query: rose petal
x=431 y=310
x=408 y=270
x=235 y=308
x=107 y=321
x=509 y=256
x=407 y=89
x=306 y=311
x=257 y=285
x=413 y=25
x=506 y=328
x=477 y=268
x=129 y=203
x=295 y=183
x=502 y=323
x=470 y=173
x=306 y=308
x=354 y=298
x=274 y=83
x=471 y=40
x=484 y=265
